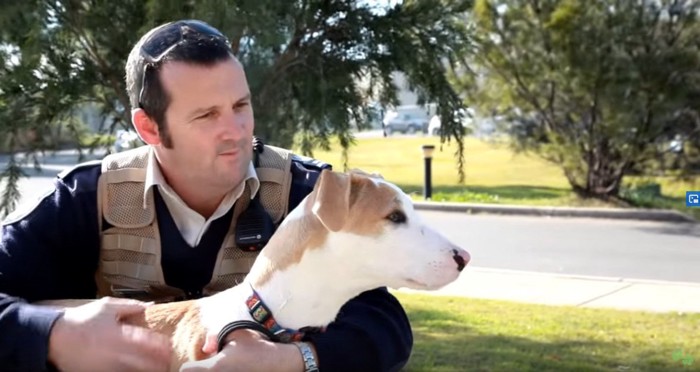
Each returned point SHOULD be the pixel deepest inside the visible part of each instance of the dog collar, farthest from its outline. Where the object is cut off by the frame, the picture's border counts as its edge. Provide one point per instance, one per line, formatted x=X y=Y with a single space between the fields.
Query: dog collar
x=262 y=314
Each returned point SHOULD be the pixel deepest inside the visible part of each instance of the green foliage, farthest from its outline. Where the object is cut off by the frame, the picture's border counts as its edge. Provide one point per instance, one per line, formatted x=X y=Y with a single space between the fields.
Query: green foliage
x=599 y=87
x=10 y=193
x=314 y=67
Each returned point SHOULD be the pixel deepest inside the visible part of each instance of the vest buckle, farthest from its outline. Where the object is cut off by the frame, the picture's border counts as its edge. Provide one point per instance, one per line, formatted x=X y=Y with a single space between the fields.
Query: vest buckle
x=193 y=294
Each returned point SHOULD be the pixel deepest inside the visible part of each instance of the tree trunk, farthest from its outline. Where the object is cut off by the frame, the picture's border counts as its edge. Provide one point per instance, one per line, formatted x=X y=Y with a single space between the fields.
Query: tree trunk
x=603 y=174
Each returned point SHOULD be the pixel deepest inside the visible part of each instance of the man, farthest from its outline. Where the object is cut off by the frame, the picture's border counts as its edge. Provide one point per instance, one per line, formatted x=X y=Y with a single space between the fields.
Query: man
x=159 y=222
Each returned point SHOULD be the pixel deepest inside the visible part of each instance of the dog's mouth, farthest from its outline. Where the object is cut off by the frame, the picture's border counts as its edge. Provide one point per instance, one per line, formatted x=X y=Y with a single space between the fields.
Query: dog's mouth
x=412 y=283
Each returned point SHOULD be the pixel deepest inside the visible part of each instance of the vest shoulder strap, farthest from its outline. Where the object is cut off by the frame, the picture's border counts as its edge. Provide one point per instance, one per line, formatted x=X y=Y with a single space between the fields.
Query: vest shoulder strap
x=120 y=189
x=274 y=172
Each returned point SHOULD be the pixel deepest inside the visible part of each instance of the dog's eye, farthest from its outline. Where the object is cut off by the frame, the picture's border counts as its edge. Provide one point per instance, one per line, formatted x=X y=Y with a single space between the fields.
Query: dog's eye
x=396 y=217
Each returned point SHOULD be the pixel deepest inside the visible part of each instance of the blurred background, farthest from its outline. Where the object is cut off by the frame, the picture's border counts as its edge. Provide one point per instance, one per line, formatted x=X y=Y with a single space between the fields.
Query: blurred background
x=584 y=104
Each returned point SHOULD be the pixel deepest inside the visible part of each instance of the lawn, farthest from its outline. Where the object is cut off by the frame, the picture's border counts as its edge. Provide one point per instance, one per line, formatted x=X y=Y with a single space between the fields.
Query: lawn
x=460 y=334
x=494 y=174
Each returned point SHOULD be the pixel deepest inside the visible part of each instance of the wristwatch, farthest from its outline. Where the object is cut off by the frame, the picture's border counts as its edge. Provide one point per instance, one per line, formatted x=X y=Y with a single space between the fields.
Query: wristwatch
x=307 y=354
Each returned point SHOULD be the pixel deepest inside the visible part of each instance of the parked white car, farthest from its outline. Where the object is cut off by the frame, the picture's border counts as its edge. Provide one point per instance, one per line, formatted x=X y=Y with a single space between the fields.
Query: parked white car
x=435 y=124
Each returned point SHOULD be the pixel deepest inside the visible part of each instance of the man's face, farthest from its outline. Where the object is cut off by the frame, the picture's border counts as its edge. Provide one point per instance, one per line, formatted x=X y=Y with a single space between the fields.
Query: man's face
x=209 y=121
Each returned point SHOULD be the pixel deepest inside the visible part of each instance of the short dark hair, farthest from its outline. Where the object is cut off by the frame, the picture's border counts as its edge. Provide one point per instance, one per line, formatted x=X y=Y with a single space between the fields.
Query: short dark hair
x=189 y=44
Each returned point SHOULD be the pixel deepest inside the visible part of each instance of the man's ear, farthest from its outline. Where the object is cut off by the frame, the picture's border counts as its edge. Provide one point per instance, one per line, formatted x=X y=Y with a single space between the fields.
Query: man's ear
x=332 y=202
x=145 y=127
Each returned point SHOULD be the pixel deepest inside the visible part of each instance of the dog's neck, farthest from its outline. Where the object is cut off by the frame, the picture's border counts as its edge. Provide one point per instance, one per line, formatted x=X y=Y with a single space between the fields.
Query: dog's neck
x=300 y=280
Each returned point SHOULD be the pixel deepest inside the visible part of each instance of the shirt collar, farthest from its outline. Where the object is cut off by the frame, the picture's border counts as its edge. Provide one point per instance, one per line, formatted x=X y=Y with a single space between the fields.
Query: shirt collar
x=154 y=177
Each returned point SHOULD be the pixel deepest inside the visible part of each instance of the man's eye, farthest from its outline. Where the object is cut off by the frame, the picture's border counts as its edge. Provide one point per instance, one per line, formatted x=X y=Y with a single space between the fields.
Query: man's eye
x=396 y=217
x=240 y=106
x=206 y=116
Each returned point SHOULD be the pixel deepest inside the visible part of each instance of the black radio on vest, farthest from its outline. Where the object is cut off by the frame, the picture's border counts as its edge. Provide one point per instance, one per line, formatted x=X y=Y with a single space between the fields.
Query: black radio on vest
x=255 y=226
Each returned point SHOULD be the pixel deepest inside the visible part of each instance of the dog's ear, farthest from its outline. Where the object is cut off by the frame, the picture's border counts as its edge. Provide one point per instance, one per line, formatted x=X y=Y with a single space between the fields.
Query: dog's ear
x=365 y=173
x=332 y=202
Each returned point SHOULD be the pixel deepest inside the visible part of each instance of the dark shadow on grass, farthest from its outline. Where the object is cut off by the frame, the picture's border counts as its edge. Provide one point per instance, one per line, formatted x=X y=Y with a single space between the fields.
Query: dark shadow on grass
x=444 y=343
x=509 y=191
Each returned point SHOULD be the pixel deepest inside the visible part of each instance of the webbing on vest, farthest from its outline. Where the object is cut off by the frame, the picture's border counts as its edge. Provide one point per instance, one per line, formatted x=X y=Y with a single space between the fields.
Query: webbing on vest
x=130 y=253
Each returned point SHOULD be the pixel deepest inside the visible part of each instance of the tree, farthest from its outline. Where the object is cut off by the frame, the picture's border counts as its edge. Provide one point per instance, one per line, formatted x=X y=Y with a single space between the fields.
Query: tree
x=306 y=61
x=599 y=87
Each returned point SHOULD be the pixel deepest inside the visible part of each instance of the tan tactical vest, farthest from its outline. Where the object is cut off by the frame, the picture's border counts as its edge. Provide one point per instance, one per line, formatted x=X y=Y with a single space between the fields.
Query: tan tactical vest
x=130 y=253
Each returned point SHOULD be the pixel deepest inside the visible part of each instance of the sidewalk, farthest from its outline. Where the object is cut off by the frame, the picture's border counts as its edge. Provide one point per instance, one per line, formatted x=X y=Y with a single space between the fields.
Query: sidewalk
x=572 y=290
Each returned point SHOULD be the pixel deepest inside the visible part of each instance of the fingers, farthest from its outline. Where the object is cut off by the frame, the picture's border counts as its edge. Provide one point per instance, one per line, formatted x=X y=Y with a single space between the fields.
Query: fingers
x=133 y=362
x=124 y=307
x=211 y=344
x=147 y=342
x=202 y=365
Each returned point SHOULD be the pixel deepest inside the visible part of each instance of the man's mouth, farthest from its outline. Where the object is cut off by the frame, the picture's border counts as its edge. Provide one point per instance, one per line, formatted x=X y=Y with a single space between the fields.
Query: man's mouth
x=229 y=152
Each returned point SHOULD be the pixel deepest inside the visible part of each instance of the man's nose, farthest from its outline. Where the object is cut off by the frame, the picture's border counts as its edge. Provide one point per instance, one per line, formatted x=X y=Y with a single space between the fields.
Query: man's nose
x=234 y=124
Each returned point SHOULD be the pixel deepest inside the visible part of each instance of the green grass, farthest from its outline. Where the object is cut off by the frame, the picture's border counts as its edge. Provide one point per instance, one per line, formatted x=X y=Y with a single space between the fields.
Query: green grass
x=494 y=174
x=460 y=334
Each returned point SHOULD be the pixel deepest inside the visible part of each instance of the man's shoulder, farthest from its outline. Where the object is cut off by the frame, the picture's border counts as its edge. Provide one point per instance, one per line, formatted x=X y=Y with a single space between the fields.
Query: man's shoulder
x=70 y=184
x=305 y=172
x=85 y=173
x=298 y=161
x=308 y=162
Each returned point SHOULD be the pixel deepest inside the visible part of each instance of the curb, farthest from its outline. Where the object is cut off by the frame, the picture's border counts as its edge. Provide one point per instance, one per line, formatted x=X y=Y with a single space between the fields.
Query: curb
x=609 y=213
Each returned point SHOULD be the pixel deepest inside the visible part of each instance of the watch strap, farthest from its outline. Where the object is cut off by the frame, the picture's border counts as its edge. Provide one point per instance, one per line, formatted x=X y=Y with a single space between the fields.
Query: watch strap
x=310 y=364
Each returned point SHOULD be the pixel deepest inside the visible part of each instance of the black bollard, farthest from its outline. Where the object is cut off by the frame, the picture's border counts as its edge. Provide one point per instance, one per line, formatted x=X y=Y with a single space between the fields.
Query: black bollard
x=428 y=159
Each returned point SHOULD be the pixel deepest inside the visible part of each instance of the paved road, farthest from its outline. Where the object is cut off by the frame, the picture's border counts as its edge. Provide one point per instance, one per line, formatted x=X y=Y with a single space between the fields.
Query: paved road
x=613 y=248
x=51 y=165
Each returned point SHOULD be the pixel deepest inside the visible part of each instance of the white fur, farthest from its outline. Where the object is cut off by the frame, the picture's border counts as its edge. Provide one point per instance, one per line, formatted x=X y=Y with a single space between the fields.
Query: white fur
x=312 y=292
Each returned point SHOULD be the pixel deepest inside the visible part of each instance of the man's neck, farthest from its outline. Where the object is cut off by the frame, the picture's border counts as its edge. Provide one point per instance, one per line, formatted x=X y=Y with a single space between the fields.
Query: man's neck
x=203 y=200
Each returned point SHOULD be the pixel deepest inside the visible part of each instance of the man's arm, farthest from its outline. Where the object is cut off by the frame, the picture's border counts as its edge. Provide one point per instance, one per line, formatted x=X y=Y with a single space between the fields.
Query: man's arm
x=371 y=333
x=46 y=252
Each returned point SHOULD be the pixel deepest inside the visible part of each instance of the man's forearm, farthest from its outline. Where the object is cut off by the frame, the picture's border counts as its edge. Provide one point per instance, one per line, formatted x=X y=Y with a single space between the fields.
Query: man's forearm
x=372 y=333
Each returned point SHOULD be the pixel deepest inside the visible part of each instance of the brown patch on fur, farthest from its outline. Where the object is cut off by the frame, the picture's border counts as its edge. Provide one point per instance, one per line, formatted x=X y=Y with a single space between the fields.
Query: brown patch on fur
x=370 y=203
x=331 y=204
x=181 y=322
x=287 y=246
x=365 y=173
x=329 y=199
x=367 y=204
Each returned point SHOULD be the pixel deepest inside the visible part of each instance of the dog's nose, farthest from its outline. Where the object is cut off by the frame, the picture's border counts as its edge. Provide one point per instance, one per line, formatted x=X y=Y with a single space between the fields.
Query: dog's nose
x=461 y=258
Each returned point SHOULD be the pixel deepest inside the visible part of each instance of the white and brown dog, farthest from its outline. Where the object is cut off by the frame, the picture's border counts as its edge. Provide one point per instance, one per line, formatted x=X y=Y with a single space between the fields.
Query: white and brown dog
x=353 y=233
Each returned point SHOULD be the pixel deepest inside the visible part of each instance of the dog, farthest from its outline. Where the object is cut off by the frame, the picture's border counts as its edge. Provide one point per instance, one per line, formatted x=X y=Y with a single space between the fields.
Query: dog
x=354 y=232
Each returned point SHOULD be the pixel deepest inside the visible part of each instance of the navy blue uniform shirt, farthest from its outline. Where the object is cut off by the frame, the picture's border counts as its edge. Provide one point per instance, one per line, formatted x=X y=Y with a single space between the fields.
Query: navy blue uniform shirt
x=52 y=251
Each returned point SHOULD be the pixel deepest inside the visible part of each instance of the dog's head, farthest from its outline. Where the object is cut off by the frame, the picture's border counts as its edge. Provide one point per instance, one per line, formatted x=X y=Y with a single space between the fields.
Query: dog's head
x=372 y=225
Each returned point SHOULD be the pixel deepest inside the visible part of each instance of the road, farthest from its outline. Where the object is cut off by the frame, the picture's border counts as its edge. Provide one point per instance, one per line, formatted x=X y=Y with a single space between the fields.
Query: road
x=611 y=248
x=577 y=246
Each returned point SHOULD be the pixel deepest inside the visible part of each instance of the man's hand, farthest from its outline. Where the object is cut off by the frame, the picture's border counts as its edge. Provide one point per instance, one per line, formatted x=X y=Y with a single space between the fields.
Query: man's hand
x=91 y=338
x=248 y=350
